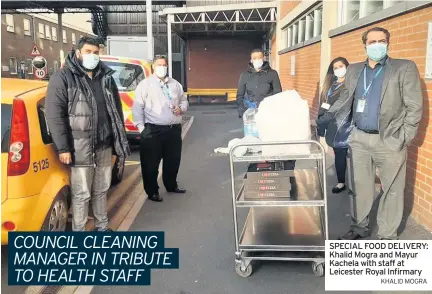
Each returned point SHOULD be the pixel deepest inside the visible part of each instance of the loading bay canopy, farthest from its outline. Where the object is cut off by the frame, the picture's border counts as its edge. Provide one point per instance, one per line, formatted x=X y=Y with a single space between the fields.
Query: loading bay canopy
x=253 y=18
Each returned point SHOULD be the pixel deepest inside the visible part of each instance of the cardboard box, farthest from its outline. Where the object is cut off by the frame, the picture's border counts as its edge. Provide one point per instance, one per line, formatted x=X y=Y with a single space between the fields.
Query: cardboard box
x=249 y=195
x=282 y=186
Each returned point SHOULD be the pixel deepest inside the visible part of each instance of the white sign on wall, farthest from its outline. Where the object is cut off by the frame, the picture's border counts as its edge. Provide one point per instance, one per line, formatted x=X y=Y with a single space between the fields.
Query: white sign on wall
x=428 y=74
x=293 y=65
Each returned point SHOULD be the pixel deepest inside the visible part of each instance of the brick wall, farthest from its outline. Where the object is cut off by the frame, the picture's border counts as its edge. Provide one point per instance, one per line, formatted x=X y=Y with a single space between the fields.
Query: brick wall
x=307 y=67
x=18 y=45
x=217 y=63
x=307 y=74
x=408 y=40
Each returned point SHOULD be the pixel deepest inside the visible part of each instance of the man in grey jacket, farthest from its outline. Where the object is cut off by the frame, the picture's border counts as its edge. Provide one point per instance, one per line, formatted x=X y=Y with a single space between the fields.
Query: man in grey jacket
x=385 y=97
x=157 y=113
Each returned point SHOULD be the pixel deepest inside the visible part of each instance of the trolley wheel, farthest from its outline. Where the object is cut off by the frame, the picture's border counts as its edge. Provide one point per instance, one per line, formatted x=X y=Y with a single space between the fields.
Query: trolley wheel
x=318 y=269
x=243 y=272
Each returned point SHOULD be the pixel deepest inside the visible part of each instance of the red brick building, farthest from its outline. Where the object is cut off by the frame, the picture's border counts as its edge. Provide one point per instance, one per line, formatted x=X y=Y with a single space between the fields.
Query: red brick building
x=20 y=32
x=311 y=33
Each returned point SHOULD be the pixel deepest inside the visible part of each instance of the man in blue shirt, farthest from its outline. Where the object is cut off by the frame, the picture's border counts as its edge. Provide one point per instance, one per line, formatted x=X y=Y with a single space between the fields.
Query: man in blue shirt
x=385 y=98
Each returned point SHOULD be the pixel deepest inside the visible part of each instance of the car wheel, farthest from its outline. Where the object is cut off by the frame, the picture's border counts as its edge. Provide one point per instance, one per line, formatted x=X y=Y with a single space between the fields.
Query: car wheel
x=57 y=216
x=117 y=171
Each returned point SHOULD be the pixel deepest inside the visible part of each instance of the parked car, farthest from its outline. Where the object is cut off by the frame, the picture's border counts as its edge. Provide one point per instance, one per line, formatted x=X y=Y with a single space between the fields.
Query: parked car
x=129 y=73
x=35 y=185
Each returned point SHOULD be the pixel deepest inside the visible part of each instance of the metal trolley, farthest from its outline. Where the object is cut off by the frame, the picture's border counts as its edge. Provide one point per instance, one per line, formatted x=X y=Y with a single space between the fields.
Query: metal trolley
x=283 y=229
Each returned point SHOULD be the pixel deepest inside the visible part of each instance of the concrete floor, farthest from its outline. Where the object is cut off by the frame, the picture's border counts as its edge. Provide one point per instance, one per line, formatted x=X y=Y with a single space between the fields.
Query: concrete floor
x=200 y=223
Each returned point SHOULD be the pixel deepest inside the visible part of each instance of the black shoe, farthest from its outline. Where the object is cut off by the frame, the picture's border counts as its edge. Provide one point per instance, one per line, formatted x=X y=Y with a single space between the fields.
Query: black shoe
x=177 y=190
x=337 y=190
x=155 y=197
x=351 y=235
x=104 y=230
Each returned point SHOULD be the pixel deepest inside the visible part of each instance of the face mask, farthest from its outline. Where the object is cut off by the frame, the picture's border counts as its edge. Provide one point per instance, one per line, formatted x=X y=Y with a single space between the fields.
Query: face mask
x=90 y=61
x=376 y=51
x=257 y=63
x=161 y=71
x=340 y=72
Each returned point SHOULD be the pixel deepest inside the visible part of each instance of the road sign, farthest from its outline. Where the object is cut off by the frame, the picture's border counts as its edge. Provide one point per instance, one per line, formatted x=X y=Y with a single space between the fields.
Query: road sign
x=40 y=73
x=35 y=51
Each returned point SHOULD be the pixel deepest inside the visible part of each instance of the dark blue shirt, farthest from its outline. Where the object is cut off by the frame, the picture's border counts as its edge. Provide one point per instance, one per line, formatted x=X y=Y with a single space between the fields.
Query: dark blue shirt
x=369 y=119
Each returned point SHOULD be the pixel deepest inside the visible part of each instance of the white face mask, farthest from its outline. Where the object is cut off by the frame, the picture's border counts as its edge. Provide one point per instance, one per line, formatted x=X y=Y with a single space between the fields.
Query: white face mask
x=90 y=61
x=340 y=72
x=257 y=63
x=161 y=71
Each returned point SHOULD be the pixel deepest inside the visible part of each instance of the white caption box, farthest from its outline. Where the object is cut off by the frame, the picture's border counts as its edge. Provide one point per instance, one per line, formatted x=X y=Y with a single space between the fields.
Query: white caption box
x=378 y=265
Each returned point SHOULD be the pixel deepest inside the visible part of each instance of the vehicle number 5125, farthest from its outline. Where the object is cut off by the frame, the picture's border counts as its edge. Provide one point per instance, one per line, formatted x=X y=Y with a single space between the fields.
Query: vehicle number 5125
x=40 y=165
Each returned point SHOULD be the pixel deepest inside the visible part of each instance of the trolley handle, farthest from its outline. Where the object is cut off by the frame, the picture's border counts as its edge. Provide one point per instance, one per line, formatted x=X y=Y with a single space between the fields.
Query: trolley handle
x=273 y=143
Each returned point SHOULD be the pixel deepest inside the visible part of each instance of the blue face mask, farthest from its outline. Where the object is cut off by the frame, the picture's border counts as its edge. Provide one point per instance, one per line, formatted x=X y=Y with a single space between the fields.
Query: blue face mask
x=90 y=61
x=376 y=51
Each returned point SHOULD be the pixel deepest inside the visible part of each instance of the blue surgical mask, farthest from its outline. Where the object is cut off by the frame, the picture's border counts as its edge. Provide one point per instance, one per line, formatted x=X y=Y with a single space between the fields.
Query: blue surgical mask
x=90 y=61
x=376 y=51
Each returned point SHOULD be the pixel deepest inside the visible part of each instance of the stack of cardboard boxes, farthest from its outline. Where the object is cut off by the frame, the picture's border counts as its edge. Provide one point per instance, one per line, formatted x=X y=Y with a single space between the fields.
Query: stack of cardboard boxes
x=268 y=180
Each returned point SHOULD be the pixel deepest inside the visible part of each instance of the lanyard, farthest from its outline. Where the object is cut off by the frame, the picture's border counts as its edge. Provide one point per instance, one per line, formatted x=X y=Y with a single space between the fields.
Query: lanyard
x=166 y=91
x=366 y=89
x=330 y=91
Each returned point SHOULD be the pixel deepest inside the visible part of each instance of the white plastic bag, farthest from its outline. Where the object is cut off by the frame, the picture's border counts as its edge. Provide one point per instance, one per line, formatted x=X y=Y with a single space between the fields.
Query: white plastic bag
x=284 y=117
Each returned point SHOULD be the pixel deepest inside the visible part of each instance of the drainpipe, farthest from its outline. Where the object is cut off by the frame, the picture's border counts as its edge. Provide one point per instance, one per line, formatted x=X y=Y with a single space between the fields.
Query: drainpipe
x=60 y=25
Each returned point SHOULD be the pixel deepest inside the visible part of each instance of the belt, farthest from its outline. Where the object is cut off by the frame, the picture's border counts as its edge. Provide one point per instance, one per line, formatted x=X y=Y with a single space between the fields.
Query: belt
x=369 y=132
x=162 y=126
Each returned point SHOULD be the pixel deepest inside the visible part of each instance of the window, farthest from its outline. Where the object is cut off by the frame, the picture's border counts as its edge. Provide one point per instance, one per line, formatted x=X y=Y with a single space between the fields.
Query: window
x=10 y=24
x=41 y=31
x=54 y=33
x=351 y=10
x=64 y=36
x=13 y=66
x=6 y=121
x=30 y=66
x=306 y=27
x=45 y=132
x=127 y=76
x=27 y=27
x=56 y=65
x=47 y=32
x=81 y=36
x=73 y=39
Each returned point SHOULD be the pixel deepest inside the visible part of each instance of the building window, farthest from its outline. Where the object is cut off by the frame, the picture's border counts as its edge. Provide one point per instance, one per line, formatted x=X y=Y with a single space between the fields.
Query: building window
x=27 y=27
x=41 y=31
x=352 y=10
x=13 y=65
x=47 y=32
x=30 y=66
x=307 y=26
x=73 y=39
x=64 y=36
x=10 y=24
x=54 y=33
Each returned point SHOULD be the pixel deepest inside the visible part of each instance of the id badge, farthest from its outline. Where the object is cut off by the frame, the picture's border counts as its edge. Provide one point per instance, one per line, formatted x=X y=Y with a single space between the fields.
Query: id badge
x=361 y=105
x=326 y=106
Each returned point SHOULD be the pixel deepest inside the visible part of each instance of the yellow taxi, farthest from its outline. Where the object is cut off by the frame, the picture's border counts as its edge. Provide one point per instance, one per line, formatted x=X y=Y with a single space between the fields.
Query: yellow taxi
x=35 y=186
x=129 y=72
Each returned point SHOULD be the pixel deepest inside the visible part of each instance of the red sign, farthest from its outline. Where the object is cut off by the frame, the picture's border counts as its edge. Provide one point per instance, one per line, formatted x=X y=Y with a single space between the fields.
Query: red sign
x=35 y=51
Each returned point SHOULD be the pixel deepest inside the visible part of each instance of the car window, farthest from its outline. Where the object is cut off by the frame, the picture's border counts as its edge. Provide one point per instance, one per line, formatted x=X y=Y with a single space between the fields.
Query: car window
x=6 y=117
x=45 y=132
x=127 y=76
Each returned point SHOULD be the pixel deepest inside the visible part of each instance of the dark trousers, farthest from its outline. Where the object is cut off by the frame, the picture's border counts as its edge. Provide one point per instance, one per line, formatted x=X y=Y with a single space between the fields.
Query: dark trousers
x=340 y=163
x=160 y=143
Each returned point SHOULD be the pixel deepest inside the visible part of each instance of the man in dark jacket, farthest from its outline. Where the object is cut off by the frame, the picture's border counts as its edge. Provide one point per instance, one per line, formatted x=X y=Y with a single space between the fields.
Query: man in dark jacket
x=257 y=83
x=84 y=115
